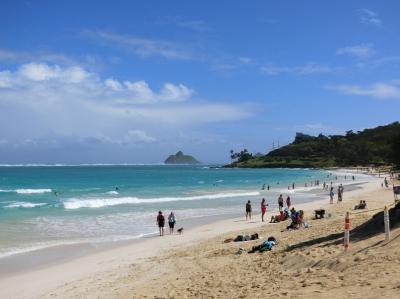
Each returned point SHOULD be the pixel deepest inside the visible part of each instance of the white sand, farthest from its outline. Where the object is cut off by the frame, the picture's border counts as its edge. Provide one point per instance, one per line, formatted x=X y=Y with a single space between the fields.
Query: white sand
x=95 y=275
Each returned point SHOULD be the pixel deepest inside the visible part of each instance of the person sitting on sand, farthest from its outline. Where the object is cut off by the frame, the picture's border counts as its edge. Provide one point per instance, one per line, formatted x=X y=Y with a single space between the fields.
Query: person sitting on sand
x=361 y=206
x=171 y=222
x=248 y=210
x=300 y=219
x=295 y=219
x=160 y=223
x=278 y=218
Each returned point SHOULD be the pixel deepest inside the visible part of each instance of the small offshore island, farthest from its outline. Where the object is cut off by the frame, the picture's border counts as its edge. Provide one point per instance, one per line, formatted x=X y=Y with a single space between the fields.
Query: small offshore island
x=180 y=158
x=378 y=146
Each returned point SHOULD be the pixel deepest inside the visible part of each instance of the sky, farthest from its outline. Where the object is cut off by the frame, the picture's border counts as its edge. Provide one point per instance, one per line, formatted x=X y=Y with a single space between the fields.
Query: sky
x=135 y=81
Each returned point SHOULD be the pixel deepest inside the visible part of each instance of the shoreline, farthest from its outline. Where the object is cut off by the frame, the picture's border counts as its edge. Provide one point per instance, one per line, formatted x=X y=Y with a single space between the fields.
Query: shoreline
x=97 y=263
x=38 y=257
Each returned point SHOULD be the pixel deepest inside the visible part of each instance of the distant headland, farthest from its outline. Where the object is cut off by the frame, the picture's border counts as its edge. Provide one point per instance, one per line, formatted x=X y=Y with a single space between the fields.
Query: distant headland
x=180 y=158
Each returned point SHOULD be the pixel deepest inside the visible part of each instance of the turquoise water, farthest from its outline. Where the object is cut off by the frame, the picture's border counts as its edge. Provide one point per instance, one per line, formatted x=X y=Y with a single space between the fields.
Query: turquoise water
x=44 y=206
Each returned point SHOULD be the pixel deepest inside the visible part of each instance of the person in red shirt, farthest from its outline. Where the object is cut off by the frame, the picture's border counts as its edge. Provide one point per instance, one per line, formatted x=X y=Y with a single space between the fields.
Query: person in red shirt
x=263 y=208
x=161 y=223
x=288 y=202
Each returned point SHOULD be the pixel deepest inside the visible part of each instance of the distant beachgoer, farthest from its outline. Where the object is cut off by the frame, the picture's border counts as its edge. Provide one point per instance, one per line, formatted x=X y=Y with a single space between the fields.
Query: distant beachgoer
x=263 y=209
x=331 y=194
x=386 y=183
x=288 y=202
x=268 y=187
x=293 y=186
x=248 y=210
x=362 y=205
x=171 y=222
x=160 y=223
x=280 y=202
x=116 y=188
x=353 y=177
x=340 y=192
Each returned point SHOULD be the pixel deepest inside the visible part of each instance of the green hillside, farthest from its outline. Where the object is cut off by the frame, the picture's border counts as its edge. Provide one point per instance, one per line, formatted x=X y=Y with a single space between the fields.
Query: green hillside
x=377 y=146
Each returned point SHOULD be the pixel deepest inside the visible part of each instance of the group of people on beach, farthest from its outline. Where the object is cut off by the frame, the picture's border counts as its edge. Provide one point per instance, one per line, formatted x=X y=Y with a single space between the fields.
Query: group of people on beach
x=264 y=206
x=340 y=191
x=161 y=222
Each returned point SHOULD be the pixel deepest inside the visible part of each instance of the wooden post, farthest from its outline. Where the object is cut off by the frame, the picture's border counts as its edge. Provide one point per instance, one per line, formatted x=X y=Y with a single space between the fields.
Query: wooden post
x=387 y=223
x=346 y=231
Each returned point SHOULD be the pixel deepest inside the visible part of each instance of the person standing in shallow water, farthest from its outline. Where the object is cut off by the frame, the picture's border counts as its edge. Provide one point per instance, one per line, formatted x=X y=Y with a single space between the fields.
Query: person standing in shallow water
x=263 y=209
x=248 y=210
x=161 y=223
x=171 y=222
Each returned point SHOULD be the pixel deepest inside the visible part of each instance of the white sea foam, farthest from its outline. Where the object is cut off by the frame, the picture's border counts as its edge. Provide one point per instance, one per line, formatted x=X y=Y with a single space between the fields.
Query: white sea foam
x=27 y=191
x=23 y=204
x=77 y=203
x=113 y=192
x=32 y=191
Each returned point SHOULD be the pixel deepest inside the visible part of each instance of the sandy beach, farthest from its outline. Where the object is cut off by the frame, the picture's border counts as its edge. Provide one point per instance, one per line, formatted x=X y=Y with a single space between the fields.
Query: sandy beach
x=309 y=262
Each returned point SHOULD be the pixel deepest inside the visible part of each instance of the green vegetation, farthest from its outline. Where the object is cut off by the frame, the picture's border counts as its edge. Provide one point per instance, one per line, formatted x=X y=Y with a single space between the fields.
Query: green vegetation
x=377 y=146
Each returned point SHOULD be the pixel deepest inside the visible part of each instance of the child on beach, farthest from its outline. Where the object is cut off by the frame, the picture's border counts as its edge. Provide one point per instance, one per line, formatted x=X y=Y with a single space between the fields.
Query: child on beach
x=263 y=209
x=160 y=223
x=171 y=222
x=248 y=210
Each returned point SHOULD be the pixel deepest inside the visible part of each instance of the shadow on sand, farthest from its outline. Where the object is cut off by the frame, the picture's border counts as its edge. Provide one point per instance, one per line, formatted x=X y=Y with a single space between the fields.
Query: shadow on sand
x=364 y=231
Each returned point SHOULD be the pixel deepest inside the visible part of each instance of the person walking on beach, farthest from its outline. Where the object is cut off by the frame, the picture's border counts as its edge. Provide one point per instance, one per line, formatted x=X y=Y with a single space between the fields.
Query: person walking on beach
x=331 y=194
x=263 y=208
x=248 y=210
x=288 y=202
x=280 y=202
x=171 y=222
x=160 y=223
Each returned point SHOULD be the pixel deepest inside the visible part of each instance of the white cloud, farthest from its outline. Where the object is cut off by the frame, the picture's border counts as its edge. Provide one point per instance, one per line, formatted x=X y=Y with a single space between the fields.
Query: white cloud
x=113 y=84
x=139 y=135
x=195 y=25
x=307 y=69
x=380 y=90
x=50 y=100
x=23 y=57
x=360 y=51
x=43 y=72
x=370 y=17
x=144 y=47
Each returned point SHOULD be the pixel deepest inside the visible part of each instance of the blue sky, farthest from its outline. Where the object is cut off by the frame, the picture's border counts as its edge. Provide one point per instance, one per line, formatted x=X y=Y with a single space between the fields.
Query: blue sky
x=133 y=81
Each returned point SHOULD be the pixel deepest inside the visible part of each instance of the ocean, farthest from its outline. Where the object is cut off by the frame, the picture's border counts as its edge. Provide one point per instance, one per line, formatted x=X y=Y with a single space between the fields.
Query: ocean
x=44 y=206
